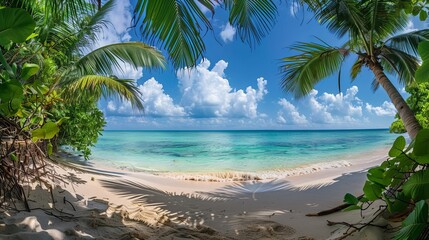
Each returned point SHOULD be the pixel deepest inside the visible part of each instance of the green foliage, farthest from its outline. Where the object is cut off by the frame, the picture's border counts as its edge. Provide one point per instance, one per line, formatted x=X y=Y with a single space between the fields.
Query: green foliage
x=423 y=72
x=44 y=70
x=419 y=104
x=29 y=70
x=46 y=132
x=11 y=96
x=372 y=190
x=179 y=25
x=415 y=223
x=399 y=181
x=15 y=25
x=73 y=132
x=398 y=147
x=416 y=8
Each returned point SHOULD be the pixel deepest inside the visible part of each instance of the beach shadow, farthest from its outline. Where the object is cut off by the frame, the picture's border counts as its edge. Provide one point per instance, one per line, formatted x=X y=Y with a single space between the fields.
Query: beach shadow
x=70 y=217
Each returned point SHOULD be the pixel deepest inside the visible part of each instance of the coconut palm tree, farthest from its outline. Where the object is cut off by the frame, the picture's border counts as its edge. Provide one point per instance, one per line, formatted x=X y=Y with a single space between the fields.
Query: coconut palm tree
x=180 y=25
x=370 y=26
x=68 y=42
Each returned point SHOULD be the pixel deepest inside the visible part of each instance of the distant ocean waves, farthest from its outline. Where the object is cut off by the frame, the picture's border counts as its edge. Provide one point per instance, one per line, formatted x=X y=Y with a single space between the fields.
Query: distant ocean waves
x=238 y=155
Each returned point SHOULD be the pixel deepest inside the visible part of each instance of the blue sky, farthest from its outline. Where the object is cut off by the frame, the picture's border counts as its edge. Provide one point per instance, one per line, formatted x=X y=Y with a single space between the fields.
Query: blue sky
x=237 y=87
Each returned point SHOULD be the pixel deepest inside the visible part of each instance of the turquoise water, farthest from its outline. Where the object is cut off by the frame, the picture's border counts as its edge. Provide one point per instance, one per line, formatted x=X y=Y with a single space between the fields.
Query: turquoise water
x=223 y=151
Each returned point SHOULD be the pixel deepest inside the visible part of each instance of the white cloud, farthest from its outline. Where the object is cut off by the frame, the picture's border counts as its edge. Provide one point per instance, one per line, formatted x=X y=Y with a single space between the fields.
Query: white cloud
x=288 y=114
x=228 y=32
x=156 y=102
x=386 y=109
x=327 y=108
x=294 y=8
x=206 y=93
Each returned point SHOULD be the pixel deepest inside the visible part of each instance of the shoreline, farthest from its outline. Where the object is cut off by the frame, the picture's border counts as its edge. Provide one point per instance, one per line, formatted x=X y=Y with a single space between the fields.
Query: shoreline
x=300 y=175
x=161 y=207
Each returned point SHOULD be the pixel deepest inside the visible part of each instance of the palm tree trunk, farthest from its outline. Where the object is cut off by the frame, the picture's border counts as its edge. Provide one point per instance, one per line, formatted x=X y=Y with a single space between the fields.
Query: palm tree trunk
x=410 y=122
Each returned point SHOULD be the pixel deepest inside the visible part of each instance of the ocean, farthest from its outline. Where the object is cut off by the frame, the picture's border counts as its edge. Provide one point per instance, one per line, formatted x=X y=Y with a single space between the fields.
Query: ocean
x=234 y=151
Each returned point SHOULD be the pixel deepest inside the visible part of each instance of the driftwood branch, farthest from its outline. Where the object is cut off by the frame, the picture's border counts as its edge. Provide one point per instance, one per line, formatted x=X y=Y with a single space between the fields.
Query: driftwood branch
x=332 y=210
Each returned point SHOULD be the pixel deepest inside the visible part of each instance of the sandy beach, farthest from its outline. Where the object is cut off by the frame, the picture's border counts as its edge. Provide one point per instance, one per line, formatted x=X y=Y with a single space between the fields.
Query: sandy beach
x=106 y=203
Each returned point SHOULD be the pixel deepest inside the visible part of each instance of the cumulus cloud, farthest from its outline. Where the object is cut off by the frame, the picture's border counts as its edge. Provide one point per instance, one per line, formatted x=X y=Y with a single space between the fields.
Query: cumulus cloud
x=156 y=102
x=326 y=108
x=228 y=32
x=206 y=93
x=386 y=109
x=289 y=114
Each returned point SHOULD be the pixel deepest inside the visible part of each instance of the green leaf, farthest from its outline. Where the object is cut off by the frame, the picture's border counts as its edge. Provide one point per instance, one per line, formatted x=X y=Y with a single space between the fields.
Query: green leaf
x=399 y=204
x=47 y=131
x=29 y=70
x=422 y=73
x=11 y=97
x=415 y=223
x=417 y=186
x=397 y=147
x=313 y=63
x=423 y=15
x=15 y=25
x=421 y=145
x=50 y=147
x=376 y=175
x=107 y=60
x=13 y=157
x=372 y=190
x=350 y=199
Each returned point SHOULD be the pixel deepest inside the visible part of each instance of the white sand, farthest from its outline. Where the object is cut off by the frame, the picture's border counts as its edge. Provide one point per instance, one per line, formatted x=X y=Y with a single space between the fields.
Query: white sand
x=136 y=205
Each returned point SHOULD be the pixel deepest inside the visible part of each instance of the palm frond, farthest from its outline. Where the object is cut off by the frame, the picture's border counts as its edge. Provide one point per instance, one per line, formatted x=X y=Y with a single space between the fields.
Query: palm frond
x=399 y=63
x=72 y=37
x=176 y=25
x=408 y=42
x=382 y=18
x=91 y=26
x=253 y=19
x=303 y=71
x=375 y=85
x=60 y=10
x=97 y=86
x=356 y=68
x=107 y=59
x=342 y=17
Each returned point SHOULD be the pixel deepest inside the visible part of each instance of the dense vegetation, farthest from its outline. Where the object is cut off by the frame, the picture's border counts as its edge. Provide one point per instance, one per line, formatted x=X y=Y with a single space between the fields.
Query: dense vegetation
x=419 y=104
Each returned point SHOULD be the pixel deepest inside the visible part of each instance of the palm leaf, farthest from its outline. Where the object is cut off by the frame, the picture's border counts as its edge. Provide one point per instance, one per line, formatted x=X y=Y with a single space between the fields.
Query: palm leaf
x=97 y=86
x=106 y=59
x=253 y=19
x=382 y=18
x=356 y=68
x=176 y=24
x=415 y=223
x=303 y=71
x=59 y=10
x=399 y=63
x=89 y=28
x=408 y=42
x=72 y=38
x=342 y=17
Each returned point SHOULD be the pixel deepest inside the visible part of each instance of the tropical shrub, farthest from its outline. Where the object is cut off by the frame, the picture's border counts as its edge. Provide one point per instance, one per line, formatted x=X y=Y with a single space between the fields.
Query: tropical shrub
x=73 y=133
x=419 y=104
x=401 y=181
